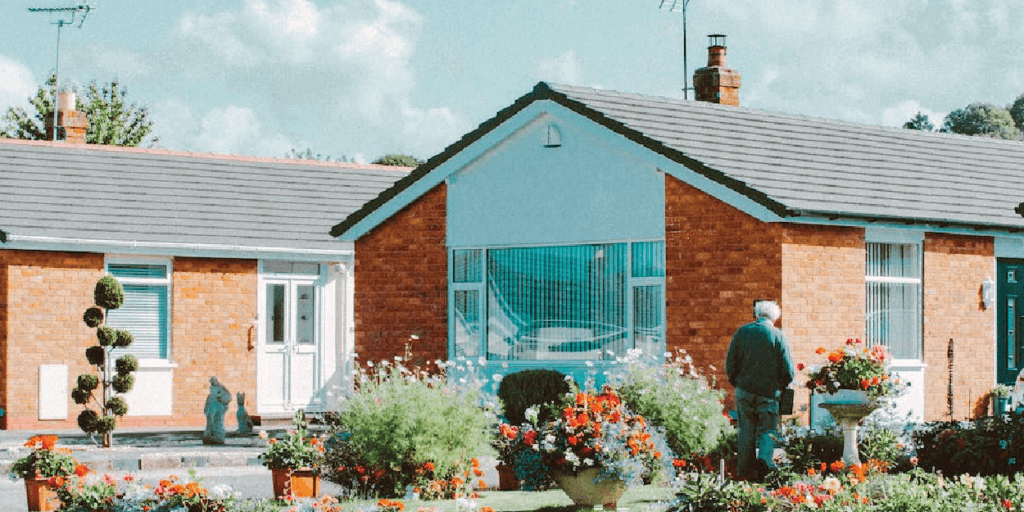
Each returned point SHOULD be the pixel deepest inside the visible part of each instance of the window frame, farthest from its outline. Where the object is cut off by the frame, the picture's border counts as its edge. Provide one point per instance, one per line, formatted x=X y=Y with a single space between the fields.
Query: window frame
x=167 y=282
x=480 y=287
x=893 y=237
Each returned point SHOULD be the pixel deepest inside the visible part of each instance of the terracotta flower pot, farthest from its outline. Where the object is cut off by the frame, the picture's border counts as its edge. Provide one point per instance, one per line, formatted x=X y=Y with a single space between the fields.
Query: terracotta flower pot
x=41 y=495
x=507 y=478
x=583 y=490
x=298 y=483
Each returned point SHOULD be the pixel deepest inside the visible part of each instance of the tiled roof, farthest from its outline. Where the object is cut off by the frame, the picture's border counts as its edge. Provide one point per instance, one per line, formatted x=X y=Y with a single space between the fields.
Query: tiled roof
x=60 y=192
x=798 y=167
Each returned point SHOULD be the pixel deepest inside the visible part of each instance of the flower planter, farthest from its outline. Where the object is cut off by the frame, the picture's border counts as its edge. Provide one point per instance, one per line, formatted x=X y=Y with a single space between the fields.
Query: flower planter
x=847 y=396
x=1000 y=405
x=507 y=478
x=583 y=490
x=297 y=483
x=41 y=495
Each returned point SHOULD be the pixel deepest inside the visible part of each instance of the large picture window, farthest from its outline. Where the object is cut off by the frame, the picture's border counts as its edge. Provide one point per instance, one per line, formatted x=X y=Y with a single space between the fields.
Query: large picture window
x=577 y=302
x=146 y=309
x=894 y=298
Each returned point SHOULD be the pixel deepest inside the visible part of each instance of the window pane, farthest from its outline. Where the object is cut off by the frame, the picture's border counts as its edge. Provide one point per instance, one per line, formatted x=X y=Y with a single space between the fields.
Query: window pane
x=144 y=314
x=893 y=318
x=306 y=314
x=649 y=259
x=557 y=302
x=467 y=323
x=275 y=313
x=291 y=267
x=648 y=332
x=466 y=267
x=129 y=271
x=892 y=260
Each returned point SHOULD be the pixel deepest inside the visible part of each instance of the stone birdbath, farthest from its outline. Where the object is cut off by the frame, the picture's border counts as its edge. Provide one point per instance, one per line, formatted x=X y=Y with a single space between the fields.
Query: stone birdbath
x=849 y=415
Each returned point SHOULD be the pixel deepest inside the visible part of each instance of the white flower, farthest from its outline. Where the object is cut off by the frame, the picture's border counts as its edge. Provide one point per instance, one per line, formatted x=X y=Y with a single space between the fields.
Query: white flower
x=550 y=438
x=496 y=377
x=588 y=461
x=414 y=337
x=369 y=363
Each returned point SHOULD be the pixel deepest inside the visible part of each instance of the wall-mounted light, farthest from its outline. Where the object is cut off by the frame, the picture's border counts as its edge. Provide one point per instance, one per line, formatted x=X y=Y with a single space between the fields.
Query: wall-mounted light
x=554 y=136
x=988 y=292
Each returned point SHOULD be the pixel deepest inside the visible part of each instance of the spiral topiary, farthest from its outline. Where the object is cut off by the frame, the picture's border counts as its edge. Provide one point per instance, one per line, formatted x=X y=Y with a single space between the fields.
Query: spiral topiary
x=93 y=316
x=106 y=424
x=87 y=421
x=96 y=355
x=106 y=335
x=80 y=396
x=117 y=406
x=108 y=293
x=124 y=338
x=88 y=382
x=122 y=383
x=126 y=364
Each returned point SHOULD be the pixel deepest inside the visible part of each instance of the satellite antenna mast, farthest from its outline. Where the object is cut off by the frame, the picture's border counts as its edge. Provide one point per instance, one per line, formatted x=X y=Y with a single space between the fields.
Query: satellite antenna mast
x=680 y=6
x=61 y=16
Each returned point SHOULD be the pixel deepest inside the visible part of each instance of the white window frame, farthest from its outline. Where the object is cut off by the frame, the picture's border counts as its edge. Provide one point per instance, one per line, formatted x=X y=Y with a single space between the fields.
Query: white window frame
x=481 y=289
x=167 y=282
x=900 y=237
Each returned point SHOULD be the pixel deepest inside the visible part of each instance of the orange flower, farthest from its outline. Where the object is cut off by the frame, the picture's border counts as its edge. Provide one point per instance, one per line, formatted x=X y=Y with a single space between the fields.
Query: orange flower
x=81 y=470
x=837 y=466
x=811 y=472
x=864 y=383
x=679 y=463
x=820 y=350
x=429 y=466
x=836 y=356
x=486 y=509
x=474 y=462
x=481 y=484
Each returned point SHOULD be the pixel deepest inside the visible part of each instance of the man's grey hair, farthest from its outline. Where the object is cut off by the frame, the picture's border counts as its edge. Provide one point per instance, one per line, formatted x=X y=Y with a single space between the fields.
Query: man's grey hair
x=767 y=309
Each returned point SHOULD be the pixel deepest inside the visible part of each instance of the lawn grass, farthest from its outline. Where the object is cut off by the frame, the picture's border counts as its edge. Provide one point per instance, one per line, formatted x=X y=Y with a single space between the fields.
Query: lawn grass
x=554 y=500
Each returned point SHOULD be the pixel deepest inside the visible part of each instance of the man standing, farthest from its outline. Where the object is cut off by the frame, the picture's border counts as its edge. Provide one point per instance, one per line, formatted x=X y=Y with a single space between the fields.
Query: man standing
x=759 y=367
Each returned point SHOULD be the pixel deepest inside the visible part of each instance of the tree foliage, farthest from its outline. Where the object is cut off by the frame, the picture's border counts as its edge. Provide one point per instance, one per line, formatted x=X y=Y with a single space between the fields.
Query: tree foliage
x=1017 y=112
x=981 y=119
x=398 y=160
x=308 y=154
x=919 y=122
x=112 y=120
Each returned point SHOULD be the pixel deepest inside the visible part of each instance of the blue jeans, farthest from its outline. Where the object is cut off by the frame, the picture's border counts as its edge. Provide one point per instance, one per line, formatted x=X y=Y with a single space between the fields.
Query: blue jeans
x=758 y=422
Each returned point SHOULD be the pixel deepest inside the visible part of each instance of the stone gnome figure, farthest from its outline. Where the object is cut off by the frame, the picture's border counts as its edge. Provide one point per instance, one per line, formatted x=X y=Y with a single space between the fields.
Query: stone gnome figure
x=244 y=421
x=216 y=406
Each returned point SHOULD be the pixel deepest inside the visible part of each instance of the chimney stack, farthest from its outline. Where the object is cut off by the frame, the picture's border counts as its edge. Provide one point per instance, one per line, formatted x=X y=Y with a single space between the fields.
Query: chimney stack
x=71 y=124
x=717 y=83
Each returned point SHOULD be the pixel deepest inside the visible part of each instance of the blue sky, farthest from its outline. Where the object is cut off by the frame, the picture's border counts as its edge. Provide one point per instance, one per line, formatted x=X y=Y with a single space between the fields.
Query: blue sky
x=363 y=78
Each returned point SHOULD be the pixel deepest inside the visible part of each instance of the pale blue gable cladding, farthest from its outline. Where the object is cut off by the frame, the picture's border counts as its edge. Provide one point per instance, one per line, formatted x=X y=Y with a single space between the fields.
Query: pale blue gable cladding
x=528 y=192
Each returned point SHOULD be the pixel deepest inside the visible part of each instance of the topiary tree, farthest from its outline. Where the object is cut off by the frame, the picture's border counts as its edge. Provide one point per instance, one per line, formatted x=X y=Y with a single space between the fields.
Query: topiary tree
x=114 y=376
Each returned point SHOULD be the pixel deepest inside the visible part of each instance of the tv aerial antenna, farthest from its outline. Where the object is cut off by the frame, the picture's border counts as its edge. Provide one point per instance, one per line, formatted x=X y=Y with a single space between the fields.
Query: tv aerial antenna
x=61 y=16
x=680 y=6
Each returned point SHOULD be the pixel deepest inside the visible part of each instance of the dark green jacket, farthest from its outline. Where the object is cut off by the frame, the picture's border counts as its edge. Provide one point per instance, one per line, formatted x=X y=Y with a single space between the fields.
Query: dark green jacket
x=758 y=361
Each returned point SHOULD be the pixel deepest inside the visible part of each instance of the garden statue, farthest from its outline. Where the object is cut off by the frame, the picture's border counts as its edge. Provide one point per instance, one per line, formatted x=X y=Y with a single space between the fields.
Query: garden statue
x=216 y=405
x=244 y=421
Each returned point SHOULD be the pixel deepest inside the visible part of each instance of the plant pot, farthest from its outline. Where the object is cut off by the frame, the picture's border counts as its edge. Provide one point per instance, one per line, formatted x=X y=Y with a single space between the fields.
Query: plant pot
x=847 y=396
x=41 y=495
x=507 y=478
x=1000 y=405
x=297 y=483
x=583 y=489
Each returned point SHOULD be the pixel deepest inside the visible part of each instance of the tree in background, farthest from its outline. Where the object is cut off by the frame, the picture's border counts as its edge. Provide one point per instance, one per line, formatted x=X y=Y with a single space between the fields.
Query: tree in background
x=981 y=119
x=1017 y=112
x=919 y=122
x=308 y=154
x=399 y=160
x=112 y=121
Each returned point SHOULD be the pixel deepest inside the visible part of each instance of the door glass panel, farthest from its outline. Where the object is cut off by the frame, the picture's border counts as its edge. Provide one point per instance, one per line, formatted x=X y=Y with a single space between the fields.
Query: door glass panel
x=1011 y=332
x=275 y=313
x=305 y=311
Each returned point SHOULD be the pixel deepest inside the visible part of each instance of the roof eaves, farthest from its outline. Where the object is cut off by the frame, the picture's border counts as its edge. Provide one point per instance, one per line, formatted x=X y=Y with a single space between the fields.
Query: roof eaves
x=436 y=161
x=833 y=216
x=659 y=147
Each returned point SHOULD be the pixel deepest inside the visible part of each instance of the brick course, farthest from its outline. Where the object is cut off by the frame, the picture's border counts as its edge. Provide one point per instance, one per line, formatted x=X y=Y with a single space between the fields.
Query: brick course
x=401 y=283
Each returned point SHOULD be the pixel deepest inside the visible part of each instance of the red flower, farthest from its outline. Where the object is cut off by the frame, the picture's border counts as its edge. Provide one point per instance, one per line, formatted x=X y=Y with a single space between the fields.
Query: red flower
x=800 y=367
x=864 y=383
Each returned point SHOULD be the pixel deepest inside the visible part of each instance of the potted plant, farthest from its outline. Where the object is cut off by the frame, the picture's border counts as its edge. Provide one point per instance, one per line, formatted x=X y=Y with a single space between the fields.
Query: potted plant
x=1001 y=399
x=854 y=373
x=595 y=448
x=42 y=469
x=294 y=462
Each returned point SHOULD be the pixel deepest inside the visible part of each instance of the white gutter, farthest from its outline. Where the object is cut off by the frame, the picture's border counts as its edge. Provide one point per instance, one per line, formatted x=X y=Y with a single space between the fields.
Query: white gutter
x=47 y=243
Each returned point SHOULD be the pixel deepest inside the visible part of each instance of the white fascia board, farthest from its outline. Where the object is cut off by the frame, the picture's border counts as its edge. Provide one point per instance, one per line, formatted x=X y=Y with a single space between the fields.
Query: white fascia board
x=38 y=243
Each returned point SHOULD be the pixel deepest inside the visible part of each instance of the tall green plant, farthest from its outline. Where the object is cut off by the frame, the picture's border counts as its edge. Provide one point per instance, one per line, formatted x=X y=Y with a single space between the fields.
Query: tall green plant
x=114 y=377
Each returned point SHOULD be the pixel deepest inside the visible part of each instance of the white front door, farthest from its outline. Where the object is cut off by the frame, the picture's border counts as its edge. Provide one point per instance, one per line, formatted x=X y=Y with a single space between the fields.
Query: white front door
x=288 y=359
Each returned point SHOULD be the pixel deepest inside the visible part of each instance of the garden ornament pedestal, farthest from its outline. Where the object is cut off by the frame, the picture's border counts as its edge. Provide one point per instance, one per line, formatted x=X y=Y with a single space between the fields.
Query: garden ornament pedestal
x=848 y=415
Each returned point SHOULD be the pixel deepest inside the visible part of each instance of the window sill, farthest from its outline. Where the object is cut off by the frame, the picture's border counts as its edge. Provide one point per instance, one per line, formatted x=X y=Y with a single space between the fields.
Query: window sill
x=907 y=364
x=156 y=364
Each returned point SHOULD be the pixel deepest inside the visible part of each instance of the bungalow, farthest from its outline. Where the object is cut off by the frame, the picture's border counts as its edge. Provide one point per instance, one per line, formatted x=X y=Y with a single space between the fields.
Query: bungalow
x=580 y=223
x=226 y=263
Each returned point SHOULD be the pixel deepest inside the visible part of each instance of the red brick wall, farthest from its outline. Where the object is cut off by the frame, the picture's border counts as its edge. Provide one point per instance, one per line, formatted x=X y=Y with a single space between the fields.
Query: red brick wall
x=214 y=305
x=718 y=261
x=823 y=292
x=954 y=268
x=43 y=296
x=401 y=283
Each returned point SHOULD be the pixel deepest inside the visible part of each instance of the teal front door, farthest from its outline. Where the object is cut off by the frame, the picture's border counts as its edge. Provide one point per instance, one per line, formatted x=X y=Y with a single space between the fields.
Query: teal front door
x=1010 y=320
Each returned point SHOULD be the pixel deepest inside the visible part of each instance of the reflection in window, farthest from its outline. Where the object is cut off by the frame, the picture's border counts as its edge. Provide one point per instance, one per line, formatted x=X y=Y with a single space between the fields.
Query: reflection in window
x=894 y=298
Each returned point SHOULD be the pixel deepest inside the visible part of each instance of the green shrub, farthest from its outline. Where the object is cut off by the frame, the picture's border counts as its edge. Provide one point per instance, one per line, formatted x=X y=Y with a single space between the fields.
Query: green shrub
x=122 y=383
x=126 y=364
x=123 y=338
x=400 y=420
x=117 y=406
x=876 y=442
x=87 y=420
x=93 y=317
x=95 y=355
x=674 y=396
x=521 y=390
x=88 y=382
x=987 y=446
x=108 y=294
x=809 y=450
x=106 y=335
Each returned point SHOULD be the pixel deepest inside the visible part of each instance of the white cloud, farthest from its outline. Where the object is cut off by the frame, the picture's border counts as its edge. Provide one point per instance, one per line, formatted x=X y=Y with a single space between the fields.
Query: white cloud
x=564 y=68
x=226 y=129
x=16 y=84
x=904 y=111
